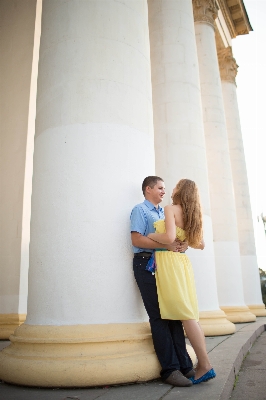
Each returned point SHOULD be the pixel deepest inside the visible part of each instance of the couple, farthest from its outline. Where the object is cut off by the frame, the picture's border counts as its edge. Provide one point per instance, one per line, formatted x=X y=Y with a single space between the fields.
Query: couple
x=169 y=294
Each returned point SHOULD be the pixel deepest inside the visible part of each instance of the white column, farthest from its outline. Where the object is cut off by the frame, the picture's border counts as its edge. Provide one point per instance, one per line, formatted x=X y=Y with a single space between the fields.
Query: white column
x=86 y=324
x=179 y=136
x=19 y=59
x=250 y=272
x=223 y=212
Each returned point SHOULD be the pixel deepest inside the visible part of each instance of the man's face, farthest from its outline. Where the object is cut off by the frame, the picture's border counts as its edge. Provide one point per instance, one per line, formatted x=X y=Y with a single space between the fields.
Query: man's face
x=156 y=194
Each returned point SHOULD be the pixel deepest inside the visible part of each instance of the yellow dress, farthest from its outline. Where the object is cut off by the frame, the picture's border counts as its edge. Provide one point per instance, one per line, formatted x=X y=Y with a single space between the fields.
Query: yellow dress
x=175 y=281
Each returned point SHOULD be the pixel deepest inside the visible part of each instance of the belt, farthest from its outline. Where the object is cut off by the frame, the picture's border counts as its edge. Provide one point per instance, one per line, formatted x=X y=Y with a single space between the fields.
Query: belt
x=143 y=254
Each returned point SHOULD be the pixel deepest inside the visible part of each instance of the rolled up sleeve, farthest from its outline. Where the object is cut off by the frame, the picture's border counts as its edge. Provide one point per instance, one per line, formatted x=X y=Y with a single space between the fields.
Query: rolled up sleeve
x=138 y=221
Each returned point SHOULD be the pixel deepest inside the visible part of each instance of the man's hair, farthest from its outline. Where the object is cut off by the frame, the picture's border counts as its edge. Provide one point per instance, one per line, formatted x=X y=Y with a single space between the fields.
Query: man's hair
x=150 y=181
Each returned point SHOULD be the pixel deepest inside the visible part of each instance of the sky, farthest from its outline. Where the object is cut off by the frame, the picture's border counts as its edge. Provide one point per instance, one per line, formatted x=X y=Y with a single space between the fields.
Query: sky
x=250 y=54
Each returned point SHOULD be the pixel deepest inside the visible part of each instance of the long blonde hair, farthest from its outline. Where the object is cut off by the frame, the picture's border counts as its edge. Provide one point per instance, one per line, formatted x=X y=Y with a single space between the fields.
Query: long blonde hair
x=187 y=196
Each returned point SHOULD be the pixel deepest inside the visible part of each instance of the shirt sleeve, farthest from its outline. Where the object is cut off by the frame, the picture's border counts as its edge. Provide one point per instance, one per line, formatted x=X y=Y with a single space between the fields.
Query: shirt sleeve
x=138 y=221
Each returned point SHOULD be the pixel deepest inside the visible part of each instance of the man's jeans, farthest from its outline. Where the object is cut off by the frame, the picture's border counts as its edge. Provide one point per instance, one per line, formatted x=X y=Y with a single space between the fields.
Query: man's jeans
x=168 y=335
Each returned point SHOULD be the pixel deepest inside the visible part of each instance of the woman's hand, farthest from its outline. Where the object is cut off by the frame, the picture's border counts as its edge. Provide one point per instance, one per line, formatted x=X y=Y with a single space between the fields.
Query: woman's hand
x=182 y=246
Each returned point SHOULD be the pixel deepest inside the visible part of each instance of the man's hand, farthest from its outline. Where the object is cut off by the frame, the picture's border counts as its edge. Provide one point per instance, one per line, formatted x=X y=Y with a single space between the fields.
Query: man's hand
x=178 y=246
x=183 y=246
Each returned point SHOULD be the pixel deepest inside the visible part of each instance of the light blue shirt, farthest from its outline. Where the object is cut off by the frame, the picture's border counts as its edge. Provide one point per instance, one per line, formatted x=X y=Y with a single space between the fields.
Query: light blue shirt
x=142 y=218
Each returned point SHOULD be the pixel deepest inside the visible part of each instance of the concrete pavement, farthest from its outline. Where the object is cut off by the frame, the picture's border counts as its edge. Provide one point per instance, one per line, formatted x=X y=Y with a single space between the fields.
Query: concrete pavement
x=251 y=380
x=226 y=354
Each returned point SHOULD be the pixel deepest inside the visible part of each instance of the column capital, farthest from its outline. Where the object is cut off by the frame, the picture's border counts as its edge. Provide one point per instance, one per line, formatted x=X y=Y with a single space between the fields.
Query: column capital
x=205 y=11
x=227 y=64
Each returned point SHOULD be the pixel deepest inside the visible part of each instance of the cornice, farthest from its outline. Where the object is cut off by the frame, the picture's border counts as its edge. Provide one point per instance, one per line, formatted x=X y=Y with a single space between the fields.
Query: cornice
x=236 y=17
x=227 y=64
x=227 y=17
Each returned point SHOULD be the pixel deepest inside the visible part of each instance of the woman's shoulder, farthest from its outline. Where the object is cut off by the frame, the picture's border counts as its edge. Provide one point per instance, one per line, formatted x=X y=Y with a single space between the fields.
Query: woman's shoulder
x=175 y=208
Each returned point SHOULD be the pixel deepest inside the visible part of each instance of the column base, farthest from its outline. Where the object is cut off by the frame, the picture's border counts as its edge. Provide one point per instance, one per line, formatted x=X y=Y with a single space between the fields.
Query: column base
x=80 y=355
x=9 y=323
x=239 y=314
x=215 y=323
x=258 y=309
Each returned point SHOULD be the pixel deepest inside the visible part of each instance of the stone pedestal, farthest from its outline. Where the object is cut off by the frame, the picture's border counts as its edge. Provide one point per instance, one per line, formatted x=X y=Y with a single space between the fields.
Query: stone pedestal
x=86 y=324
x=19 y=60
x=251 y=281
x=223 y=213
x=179 y=136
x=70 y=356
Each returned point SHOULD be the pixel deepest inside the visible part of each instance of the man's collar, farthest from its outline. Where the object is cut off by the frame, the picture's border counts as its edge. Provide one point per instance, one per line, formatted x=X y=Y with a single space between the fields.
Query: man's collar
x=151 y=206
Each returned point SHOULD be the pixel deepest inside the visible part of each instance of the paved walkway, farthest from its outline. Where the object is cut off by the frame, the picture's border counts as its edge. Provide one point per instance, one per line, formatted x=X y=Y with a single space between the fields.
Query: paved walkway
x=251 y=381
x=226 y=354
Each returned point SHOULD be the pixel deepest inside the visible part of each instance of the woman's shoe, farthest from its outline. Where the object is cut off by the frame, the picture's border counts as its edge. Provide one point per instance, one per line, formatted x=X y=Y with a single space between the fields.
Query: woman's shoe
x=204 y=378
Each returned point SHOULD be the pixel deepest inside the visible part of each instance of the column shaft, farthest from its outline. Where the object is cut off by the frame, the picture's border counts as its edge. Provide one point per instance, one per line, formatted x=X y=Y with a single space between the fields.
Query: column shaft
x=250 y=273
x=179 y=136
x=18 y=61
x=93 y=145
x=226 y=246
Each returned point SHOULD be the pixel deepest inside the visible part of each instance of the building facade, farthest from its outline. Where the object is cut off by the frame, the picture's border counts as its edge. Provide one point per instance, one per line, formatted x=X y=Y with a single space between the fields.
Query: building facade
x=98 y=95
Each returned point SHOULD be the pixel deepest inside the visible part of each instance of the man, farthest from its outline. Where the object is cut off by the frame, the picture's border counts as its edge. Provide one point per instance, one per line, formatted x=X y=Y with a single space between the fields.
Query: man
x=168 y=335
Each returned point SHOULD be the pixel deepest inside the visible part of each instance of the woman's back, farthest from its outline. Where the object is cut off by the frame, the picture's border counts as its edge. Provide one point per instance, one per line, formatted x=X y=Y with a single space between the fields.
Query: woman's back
x=178 y=214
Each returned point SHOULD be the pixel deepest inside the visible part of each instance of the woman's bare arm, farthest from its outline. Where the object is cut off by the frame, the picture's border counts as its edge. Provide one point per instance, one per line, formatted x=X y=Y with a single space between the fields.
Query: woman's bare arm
x=170 y=227
x=144 y=242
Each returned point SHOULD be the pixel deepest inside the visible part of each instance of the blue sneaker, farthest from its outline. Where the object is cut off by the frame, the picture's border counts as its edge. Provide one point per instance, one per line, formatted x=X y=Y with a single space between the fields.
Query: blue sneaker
x=204 y=378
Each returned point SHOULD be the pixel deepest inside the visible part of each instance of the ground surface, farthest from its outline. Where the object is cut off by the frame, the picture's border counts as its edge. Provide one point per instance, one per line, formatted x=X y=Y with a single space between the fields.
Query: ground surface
x=226 y=354
x=251 y=380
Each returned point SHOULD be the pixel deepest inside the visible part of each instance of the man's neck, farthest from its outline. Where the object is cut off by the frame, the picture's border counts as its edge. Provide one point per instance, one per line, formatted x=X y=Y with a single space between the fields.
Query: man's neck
x=155 y=205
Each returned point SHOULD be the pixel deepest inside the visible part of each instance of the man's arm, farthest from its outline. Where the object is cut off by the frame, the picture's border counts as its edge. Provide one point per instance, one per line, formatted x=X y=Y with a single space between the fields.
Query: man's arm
x=144 y=242
x=138 y=227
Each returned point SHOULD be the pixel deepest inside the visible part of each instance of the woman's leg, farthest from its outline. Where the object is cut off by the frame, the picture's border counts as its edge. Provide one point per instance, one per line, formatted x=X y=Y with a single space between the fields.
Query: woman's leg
x=163 y=341
x=197 y=340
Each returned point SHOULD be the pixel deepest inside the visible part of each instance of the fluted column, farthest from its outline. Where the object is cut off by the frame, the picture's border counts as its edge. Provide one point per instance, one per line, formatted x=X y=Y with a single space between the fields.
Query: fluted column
x=86 y=324
x=250 y=273
x=223 y=212
x=18 y=62
x=179 y=135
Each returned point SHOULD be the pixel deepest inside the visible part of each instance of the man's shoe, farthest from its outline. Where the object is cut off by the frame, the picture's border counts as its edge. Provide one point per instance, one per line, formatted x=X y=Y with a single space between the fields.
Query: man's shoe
x=177 y=379
x=190 y=374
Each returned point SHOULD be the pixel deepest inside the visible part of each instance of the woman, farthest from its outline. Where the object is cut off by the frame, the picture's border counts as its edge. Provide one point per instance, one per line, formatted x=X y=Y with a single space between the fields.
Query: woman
x=174 y=273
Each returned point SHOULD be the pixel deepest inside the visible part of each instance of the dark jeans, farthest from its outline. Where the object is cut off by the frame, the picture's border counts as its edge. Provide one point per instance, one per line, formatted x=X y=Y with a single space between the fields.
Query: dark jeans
x=168 y=335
